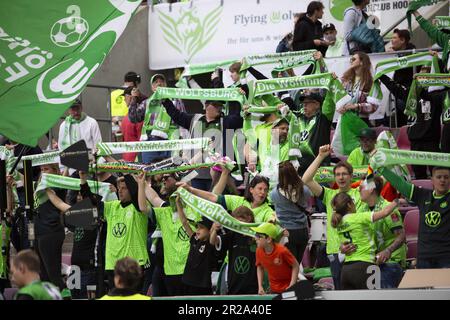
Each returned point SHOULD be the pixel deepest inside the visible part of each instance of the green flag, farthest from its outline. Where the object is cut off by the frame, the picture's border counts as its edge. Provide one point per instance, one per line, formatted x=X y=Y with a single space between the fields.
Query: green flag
x=417 y=4
x=48 y=53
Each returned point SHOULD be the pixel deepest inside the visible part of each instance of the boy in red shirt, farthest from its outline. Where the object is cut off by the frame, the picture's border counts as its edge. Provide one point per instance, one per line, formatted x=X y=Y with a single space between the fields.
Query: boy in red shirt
x=279 y=262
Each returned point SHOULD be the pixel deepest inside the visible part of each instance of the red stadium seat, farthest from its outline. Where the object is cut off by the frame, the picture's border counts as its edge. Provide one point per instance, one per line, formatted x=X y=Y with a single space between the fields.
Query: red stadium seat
x=411 y=224
x=380 y=129
x=403 y=140
x=412 y=250
x=424 y=183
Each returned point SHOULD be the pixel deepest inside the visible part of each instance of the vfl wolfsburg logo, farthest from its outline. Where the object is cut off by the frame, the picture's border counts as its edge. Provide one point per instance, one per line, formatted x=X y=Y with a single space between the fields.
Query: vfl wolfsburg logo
x=241 y=265
x=119 y=230
x=78 y=234
x=189 y=33
x=403 y=61
x=304 y=135
x=433 y=219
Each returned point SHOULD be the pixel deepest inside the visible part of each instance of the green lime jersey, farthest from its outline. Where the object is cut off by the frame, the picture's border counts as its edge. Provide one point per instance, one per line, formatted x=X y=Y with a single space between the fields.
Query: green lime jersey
x=357 y=228
x=39 y=290
x=126 y=234
x=358 y=158
x=263 y=133
x=333 y=241
x=176 y=242
x=385 y=232
x=263 y=213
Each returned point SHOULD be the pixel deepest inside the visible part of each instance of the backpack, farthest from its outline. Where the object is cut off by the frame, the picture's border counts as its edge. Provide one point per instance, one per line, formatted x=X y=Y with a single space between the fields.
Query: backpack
x=367 y=40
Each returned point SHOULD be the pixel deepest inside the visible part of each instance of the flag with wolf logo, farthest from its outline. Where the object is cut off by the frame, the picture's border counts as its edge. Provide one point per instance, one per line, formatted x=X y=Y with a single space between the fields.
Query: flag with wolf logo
x=47 y=58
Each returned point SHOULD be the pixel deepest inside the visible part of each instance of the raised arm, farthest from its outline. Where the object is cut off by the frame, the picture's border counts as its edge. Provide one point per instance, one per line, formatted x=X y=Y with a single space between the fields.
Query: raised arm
x=199 y=193
x=142 y=199
x=405 y=188
x=434 y=33
x=184 y=220
x=152 y=196
x=56 y=201
x=213 y=237
x=385 y=211
x=222 y=183
x=308 y=176
x=180 y=118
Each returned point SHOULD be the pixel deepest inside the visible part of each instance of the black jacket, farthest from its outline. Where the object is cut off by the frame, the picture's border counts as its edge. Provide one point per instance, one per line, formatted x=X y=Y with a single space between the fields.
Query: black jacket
x=305 y=32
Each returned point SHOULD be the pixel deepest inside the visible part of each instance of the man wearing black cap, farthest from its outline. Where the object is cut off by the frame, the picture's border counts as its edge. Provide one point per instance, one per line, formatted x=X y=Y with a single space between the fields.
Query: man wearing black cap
x=360 y=156
x=336 y=43
x=118 y=106
x=212 y=124
x=148 y=111
x=315 y=128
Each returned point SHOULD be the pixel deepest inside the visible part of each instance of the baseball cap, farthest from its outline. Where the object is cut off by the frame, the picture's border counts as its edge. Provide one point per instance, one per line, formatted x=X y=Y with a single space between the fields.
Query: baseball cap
x=132 y=76
x=367 y=133
x=311 y=96
x=327 y=27
x=279 y=121
x=205 y=222
x=269 y=229
x=156 y=77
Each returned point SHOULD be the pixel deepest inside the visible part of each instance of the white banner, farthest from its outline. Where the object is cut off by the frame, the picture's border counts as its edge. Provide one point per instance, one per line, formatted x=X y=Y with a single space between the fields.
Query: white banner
x=212 y=30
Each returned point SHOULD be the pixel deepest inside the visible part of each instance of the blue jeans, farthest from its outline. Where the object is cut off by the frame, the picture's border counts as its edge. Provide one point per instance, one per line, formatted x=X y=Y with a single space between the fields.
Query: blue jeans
x=336 y=268
x=391 y=275
x=433 y=263
x=154 y=156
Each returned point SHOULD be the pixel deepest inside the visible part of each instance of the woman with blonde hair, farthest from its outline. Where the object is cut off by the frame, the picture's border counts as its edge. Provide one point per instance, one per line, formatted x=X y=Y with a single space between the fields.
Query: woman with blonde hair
x=357 y=81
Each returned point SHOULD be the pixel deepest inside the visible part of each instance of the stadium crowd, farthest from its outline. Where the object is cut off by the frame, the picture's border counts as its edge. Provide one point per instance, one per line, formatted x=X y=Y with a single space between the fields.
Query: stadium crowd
x=155 y=238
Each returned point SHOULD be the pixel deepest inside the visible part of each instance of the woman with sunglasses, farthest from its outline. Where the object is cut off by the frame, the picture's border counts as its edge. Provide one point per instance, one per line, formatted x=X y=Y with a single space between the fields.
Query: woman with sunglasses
x=255 y=196
x=357 y=81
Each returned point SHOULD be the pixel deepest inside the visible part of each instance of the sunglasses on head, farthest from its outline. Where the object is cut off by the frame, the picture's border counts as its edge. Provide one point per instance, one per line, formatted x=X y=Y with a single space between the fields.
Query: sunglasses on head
x=260 y=236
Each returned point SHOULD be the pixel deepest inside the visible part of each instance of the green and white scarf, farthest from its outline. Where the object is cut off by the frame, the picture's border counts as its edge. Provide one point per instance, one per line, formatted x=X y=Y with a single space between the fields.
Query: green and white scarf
x=56 y=181
x=8 y=156
x=41 y=159
x=215 y=212
x=283 y=61
x=109 y=148
x=388 y=157
x=195 y=69
x=326 y=175
x=421 y=81
x=389 y=65
x=442 y=22
x=336 y=96
x=386 y=140
x=71 y=133
x=415 y=5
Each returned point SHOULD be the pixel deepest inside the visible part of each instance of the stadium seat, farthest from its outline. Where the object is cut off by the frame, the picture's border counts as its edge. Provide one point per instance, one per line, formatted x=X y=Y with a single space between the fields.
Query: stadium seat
x=9 y=293
x=380 y=129
x=412 y=250
x=423 y=183
x=403 y=140
x=411 y=224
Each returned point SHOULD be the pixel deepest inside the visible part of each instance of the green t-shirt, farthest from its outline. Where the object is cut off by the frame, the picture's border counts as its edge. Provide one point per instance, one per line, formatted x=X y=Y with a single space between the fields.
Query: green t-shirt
x=263 y=213
x=384 y=231
x=358 y=158
x=357 y=228
x=333 y=241
x=176 y=242
x=263 y=133
x=126 y=235
x=39 y=290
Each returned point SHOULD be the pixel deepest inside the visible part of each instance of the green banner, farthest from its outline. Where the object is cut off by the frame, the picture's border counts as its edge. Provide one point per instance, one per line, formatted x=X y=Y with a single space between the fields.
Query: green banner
x=421 y=81
x=194 y=69
x=109 y=148
x=387 y=157
x=215 y=212
x=442 y=22
x=49 y=50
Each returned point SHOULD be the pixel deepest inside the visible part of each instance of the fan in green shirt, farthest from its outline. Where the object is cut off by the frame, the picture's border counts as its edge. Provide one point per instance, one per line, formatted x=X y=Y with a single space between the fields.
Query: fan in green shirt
x=25 y=269
x=357 y=229
x=360 y=155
